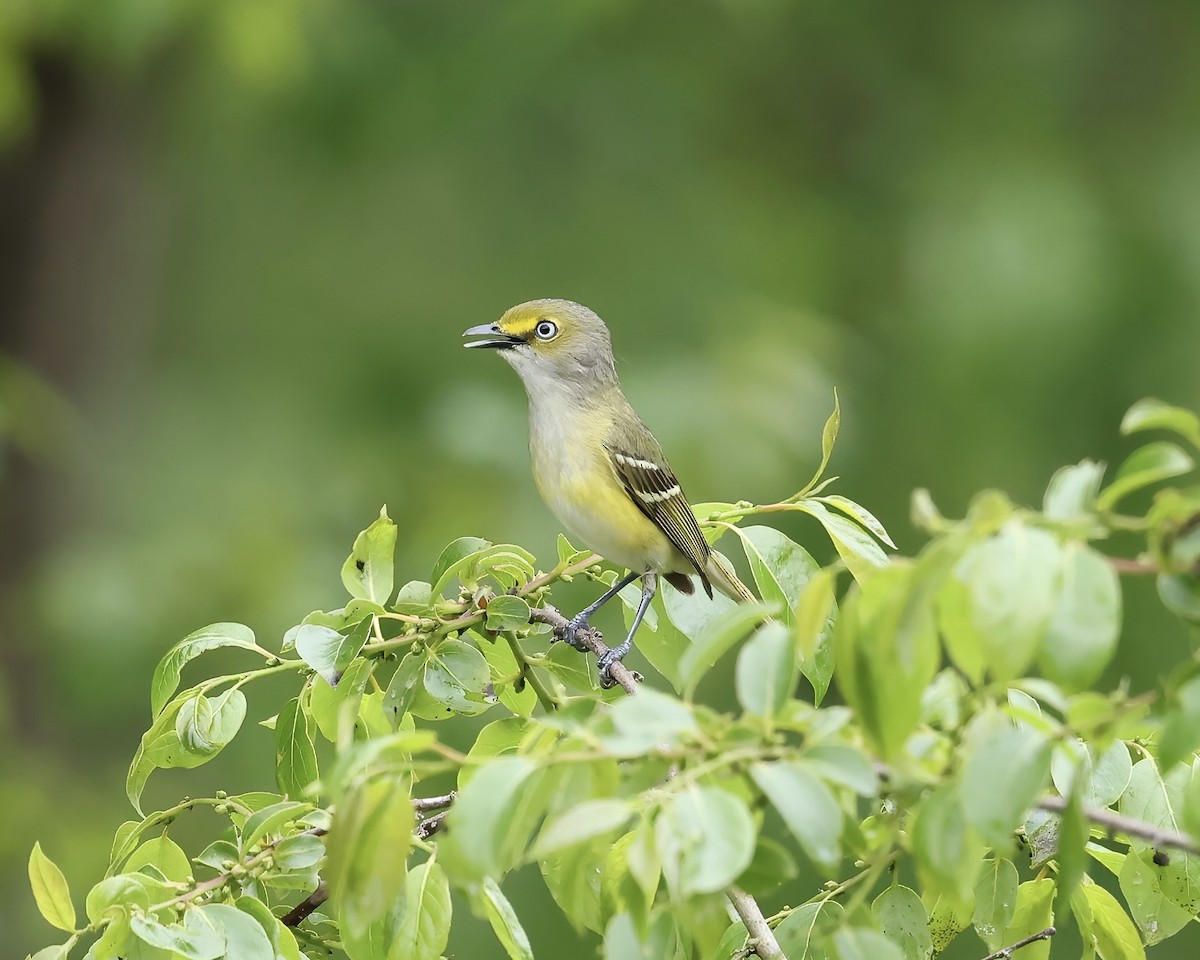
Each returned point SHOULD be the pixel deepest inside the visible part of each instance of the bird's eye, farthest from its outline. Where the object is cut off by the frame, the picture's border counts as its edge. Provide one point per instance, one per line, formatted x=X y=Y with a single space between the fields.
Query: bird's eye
x=546 y=330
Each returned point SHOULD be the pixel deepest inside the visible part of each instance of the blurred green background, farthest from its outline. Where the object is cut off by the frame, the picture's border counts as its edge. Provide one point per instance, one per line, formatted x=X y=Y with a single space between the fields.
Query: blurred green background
x=239 y=240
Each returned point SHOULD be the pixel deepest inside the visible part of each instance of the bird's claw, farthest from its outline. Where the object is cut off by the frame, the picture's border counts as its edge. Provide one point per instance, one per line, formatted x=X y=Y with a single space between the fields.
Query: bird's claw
x=569 y=633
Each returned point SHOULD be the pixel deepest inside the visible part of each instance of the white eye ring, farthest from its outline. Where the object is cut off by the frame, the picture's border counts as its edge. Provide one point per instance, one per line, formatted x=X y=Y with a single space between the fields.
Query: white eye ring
x=546 y=330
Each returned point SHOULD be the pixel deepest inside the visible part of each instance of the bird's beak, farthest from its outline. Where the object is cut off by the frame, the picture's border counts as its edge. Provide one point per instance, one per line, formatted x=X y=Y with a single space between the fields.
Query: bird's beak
x=492 y=335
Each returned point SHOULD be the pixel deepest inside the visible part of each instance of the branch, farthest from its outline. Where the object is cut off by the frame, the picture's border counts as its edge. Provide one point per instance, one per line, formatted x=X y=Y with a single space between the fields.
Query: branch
x=592 y=640
x=429 y=826
x=299 y=913
x=1135 y=567
x=1116 y=823
x=428 y=804
x=761 y=939
x=1005 y=953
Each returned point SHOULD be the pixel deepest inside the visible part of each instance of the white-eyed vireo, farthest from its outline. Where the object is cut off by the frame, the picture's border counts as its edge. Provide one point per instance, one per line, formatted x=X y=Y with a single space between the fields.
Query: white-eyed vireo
x=595 y=463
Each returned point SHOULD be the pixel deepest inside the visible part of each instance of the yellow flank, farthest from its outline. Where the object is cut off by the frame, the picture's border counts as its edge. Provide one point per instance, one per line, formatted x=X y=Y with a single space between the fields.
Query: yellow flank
x=581 y=489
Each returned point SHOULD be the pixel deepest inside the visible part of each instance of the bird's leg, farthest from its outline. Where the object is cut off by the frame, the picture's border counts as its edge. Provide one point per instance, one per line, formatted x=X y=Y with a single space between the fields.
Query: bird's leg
x=649 y=588
x=580 y=620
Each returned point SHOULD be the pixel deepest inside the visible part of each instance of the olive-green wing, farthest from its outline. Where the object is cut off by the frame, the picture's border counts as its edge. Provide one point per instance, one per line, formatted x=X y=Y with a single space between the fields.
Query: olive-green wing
x=653 y=487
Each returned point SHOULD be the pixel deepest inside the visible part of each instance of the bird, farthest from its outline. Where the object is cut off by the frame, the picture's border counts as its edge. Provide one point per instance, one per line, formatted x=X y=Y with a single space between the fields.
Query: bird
x=597 y=465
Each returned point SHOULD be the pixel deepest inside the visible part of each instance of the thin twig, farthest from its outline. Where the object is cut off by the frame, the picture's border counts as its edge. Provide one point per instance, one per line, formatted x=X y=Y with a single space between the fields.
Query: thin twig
x=1005 y=953
x=1116 y=823
x=545 y=697
x=426 y=804
x=592 y=640
x=300 y=912
x=1126 y=565
x=429 y=826
x=761 y=937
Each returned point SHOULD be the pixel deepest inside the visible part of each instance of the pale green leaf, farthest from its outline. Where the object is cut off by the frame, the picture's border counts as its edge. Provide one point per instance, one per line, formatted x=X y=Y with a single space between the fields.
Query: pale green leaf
x=166 y=674
x=715 y=638
x=1005 y=769
x=806 y=805
x=582 y=822
x=901 y=916
x=1085 y=622
x=705 y=837
x=295 y=747
x=1145 y=466
x=504 y=921
x=50 y=891
x=1152 y=414
x=766 y=671
x=368 y=571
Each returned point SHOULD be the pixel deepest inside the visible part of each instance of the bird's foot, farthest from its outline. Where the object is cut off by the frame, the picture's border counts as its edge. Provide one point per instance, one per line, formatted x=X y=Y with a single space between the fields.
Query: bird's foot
x=569 y=634
x=607 y=659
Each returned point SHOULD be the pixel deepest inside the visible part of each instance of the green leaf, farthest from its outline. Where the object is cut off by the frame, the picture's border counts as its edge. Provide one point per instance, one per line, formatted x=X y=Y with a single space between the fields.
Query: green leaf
x=50 y=890
x=804 y=933
x=901 y=916
x=414 y=598
x=402 y=689
x=1034 y=913
x=947 y=850
x=717 y=636
x=574 y=877
x=453 y=559
x=1156 y=915
x=1086 y=621
x=807 y=807
x=858 y=943
x=1181 y=731
x=857 y=548
x=507 y=613
x=705 y=837
x=1145 y=466
x=995 y=901
x=861 y=515
x=329 y=652
x=848 y=766
x=1180 y=593
x=295 y=746
x=649 y=720
x=592 y=818
x=1152 y=414
x=367 y=847
x=336 y=709
x=283 y=942
x=478 y=842
x=457 y=675
x=948 y=917
x=1105 y=776
x=812 y=629
x=368 y=571
x=197 y=938
x=269 y=819
x=165 y=855
x=886 y=648
x=166 y=674
x=56 y=952
x=828 y=438
x=204 y=726
x=298 y=852
x=1111 y=931
x=425 y=930
x=245 y=937
x=780 y=566
x=504 y=921
x=766 y=671
x=1005 y=769
x=1072 y=492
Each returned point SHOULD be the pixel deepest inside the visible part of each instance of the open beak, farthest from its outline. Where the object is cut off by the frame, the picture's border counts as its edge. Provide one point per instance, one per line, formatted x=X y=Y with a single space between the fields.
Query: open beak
x=492 y=336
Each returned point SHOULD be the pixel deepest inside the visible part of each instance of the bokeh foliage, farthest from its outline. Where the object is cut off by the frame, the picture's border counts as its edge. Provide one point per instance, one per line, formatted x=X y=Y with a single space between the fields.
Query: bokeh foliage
x=241 y=238
x=976 y=778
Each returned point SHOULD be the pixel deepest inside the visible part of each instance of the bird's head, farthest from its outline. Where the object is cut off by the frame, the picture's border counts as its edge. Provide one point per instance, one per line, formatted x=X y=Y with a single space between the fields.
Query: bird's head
x=550 y=340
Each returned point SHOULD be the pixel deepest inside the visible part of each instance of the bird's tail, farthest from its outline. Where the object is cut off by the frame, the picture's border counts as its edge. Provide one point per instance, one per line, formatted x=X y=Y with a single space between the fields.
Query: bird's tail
x=721 y=575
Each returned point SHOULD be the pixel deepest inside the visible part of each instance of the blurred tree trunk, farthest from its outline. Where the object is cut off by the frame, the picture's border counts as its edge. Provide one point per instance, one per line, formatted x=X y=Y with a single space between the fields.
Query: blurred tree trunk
x=60 y=200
